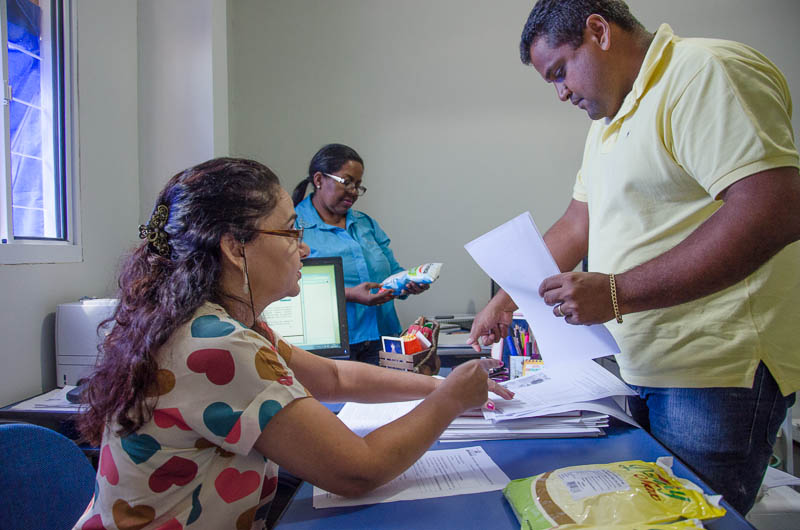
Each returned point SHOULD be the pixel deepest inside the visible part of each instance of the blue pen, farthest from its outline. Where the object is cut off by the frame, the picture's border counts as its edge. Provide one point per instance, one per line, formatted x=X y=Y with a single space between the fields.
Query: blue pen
x=510 y=344
x=506 y=353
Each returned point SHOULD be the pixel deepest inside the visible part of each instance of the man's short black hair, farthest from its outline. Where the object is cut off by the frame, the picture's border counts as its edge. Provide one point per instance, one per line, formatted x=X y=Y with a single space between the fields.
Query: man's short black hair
x=563 y=21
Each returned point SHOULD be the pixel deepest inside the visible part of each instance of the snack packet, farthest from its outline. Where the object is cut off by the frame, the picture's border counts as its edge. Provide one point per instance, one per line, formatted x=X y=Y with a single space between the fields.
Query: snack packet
x=632 y=494
x=686 y=524
x=426 y=331
x=425 y=273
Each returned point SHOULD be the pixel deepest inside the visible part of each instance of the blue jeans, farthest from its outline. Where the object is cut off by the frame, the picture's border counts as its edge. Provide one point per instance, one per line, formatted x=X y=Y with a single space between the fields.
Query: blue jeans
x=725 y=435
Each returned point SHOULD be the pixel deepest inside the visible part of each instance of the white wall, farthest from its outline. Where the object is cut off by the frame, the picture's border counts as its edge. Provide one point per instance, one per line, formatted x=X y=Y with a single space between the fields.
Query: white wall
x=183 y=83
x=457 y=135
x=109 y=201
x=153 y=85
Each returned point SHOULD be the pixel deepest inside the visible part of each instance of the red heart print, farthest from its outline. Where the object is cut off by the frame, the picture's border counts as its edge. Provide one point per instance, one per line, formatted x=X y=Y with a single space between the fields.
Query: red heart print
x=232 y=485
x=108 y=468
x=235 y=433
x=270 y=483
x=166 y=418
x=216 y=364
x=265 y=330
x=176 y=470
x=94 y=523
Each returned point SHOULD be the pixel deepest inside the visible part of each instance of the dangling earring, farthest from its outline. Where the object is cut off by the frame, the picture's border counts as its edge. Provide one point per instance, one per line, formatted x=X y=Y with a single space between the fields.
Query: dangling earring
x=246 y=279
x=247 y=285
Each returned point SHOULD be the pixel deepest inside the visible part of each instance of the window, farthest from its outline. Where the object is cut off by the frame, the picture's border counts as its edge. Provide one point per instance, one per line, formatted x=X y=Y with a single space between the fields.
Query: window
x=38 y=197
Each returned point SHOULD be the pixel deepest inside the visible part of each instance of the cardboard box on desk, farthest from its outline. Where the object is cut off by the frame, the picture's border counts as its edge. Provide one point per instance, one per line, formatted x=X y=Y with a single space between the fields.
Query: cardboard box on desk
x=424 y=362
x=408 y=363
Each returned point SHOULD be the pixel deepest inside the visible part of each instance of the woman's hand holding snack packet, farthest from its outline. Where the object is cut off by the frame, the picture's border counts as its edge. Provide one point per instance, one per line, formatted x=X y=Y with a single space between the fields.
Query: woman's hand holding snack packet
x=412 y=281
x=362 y=294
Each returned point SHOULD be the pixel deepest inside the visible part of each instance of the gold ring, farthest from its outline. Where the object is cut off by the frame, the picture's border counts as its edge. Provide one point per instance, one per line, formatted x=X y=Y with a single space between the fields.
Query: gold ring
x=558 y=310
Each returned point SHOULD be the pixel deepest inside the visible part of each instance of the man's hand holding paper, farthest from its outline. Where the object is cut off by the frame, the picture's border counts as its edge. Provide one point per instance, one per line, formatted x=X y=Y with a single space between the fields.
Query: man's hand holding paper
x=579 y=297
x=516 y=257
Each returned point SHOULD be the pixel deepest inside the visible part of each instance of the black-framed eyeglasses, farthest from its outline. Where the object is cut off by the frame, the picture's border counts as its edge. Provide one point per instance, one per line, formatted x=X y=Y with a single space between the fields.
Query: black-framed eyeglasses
x=294 y=233
x=348 y=184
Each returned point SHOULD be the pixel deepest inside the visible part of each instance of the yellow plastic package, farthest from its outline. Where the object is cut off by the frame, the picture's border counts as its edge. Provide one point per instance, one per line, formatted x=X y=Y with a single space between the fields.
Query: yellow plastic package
x=621 y=495
x=685 y=524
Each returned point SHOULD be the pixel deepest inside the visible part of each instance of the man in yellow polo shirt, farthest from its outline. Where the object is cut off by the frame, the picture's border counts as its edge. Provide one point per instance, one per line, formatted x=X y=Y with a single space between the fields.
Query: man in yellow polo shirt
x=688 y=206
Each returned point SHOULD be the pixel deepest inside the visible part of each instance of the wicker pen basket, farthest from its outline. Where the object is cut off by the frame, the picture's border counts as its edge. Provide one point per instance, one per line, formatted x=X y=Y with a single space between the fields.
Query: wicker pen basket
x=425 y=362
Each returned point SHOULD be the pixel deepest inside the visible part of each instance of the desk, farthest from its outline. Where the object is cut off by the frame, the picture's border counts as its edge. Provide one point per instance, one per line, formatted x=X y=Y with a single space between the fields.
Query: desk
x=61 y=421
x=518 y=459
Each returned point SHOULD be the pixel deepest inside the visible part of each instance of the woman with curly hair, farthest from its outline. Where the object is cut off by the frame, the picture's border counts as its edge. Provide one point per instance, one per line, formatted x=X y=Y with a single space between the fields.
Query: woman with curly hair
x=196 y=401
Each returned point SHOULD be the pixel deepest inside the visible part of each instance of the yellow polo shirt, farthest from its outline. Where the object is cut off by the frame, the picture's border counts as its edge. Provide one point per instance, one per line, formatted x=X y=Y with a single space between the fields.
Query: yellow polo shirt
x=702 y=114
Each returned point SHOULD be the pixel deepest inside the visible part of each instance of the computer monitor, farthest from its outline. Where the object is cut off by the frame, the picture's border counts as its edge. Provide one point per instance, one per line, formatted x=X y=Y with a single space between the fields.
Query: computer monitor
x=316 y=319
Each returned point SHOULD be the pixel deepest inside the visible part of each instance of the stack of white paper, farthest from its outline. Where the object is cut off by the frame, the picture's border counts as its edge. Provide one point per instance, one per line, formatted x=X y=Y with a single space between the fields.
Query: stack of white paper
x=559 y=388
x=554 y=403
x=469 y=429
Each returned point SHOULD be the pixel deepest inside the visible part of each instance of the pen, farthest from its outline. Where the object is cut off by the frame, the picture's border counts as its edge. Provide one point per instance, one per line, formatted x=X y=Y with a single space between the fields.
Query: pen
x=517 y=342
x=510 y=344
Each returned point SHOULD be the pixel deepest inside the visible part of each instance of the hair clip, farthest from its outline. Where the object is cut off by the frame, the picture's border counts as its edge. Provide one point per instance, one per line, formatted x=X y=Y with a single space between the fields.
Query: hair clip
x=154 y=232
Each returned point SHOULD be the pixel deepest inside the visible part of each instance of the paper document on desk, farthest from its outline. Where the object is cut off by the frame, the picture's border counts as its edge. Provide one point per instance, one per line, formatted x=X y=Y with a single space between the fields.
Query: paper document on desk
x=585 y=424
x=363 y=418
x=514 y=255
x=558 y=388
x=53 y=401
x=606 y=406
x=436 y=474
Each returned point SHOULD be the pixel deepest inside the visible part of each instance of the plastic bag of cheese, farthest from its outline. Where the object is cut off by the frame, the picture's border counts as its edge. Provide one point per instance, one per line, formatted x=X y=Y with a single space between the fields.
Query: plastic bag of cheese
x=425 y=273
x=631 y=494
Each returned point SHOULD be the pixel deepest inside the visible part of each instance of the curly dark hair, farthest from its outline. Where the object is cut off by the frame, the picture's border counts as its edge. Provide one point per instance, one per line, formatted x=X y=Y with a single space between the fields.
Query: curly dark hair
x=157 y=294
x=563 y=21
x=329 y=159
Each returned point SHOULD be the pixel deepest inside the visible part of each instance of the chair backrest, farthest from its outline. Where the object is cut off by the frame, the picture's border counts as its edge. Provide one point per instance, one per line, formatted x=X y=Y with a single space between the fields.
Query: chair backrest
x=45 y=479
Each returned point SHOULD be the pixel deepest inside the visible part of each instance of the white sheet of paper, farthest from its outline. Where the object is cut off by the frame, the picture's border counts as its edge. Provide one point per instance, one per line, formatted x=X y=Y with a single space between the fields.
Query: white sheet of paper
x=775 y=477
x=436 y=474
x=55 y=400
x=514 y=255
x=558 y=386
x=559 y=432
x=606 y=406
x=363 y=418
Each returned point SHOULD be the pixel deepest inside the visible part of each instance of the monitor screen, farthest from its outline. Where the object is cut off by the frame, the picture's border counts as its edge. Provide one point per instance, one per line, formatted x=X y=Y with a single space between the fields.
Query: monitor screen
x=316 y=319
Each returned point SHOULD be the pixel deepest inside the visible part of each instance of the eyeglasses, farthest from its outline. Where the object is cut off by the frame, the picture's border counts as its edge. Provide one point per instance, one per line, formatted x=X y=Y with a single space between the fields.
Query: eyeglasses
x=296 y=234
x=348 y=184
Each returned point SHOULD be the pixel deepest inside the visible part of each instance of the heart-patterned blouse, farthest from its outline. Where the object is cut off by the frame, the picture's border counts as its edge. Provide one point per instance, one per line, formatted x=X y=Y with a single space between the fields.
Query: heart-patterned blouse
x=193 y=463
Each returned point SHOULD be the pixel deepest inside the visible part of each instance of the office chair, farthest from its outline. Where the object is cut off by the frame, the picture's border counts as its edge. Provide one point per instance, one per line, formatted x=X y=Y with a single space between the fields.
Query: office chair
x=46 y=480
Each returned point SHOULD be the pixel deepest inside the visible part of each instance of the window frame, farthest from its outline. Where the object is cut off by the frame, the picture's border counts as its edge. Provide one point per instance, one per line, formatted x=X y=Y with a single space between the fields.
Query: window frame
x=17 y=251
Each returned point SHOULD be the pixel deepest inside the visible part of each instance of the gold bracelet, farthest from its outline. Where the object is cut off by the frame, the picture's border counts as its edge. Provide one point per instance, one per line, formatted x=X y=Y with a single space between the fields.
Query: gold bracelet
x=613 y=284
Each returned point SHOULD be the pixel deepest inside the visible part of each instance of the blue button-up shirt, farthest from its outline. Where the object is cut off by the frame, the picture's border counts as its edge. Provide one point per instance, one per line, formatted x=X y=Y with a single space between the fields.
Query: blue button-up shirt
x=366 y=257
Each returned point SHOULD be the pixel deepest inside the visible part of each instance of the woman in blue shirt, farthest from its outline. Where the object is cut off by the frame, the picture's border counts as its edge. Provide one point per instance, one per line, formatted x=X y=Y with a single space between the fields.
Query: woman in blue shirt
x=333 y=228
